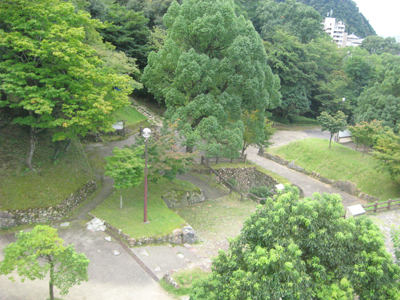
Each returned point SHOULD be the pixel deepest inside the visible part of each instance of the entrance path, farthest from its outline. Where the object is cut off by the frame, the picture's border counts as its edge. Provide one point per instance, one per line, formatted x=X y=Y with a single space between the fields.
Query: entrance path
x=307 y=184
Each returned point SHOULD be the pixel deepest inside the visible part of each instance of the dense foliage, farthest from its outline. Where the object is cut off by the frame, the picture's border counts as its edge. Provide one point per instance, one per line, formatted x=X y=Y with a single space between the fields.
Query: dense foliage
x=50 y=75
x=294 y=249
x=343 y=10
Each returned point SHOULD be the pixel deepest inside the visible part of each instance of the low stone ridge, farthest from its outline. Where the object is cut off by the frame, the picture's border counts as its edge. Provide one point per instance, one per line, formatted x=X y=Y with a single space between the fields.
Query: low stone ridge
x=295 y=167
x=276 y=159
x=174 y=199
x=41 y=215
x=347 y=186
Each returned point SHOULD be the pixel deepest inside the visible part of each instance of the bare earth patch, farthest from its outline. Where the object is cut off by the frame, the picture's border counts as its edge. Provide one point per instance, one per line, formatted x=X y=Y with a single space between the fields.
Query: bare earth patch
x=217 y=220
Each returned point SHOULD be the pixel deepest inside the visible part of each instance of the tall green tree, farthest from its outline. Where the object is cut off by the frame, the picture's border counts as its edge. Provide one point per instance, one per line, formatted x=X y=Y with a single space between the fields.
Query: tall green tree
x=332 y=123
x=211 y=67
x=303 y=249
x=381 y=100
x=377 y=45
x=40 y=252
x=126 y=167
x=387 y=151
x=289 y=60
x=128 y=32
x=291 y=16
x=51 y=76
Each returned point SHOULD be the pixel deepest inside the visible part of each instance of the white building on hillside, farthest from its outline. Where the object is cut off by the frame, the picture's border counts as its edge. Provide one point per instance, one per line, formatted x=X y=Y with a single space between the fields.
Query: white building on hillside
x=337 y=31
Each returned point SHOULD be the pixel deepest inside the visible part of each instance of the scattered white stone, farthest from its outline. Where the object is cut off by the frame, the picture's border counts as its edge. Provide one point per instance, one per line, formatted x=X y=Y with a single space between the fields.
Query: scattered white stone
x=157 y=269
x=115 y=252
x=96 y=225
x=187 y=246
x=66 y=224
x=144 y=252
x=181 y=256
x=280 y=186
x=108 y=238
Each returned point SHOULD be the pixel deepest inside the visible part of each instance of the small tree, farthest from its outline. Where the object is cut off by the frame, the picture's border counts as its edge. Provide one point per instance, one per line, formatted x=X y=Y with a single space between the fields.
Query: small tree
x=66 y=266
x=333 y=124
x=126 y=168
x=365 y=132
x=165 y=159
x=253 y=134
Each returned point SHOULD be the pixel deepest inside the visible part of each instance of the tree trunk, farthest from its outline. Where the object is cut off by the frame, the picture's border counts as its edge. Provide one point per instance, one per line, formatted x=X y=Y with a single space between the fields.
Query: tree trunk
x=120 y=198
x=51 y=278
x=189 y=149
x=364 y=150
x=260 y=150
x=32 y=143
x=330 y=140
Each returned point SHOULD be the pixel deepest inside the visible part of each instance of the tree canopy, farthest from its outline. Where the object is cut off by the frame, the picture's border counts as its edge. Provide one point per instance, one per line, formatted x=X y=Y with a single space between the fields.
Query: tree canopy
x=344 y=10
x=211 y=66
x=303 y=249
x=292 y=16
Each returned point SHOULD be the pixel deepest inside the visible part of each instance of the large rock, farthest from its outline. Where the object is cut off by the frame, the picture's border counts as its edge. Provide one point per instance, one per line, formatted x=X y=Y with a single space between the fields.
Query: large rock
x=176 y=237
x=346 y=186
x=189 y=235
x=295 y=167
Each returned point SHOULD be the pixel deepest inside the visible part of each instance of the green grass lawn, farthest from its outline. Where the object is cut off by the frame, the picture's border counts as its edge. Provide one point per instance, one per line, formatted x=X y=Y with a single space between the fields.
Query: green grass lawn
x=130 y=115
x=130 y=218
x=21 y=188
x=340 y=163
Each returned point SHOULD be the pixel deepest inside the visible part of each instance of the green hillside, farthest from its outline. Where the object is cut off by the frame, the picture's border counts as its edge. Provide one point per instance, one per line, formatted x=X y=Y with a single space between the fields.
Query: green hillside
x=343 y=10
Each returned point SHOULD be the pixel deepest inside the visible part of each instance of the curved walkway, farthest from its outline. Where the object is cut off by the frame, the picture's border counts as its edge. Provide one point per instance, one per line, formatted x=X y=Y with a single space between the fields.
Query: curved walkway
x=308 y=184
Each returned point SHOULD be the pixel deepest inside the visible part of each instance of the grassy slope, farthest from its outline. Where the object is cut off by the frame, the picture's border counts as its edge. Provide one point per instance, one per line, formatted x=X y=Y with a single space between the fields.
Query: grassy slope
x=130 y=218
x=130 y=115
x=340 y=163
x=21 y=188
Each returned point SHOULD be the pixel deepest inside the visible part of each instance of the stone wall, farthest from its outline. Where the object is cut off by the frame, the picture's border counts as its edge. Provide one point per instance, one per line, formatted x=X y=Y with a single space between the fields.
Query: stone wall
x=246 y=178
x=40 y=215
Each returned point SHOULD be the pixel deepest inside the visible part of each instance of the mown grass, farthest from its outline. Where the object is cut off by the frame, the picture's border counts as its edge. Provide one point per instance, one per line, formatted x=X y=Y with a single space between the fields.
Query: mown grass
x=185 y=279
x=130 y=115
x=340 y=163
x=21 y=188
x=130 y=218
